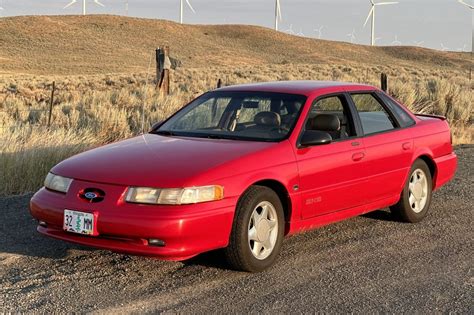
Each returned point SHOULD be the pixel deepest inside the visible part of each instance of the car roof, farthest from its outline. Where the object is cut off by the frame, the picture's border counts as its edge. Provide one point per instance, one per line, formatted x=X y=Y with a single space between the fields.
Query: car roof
x=297 y=87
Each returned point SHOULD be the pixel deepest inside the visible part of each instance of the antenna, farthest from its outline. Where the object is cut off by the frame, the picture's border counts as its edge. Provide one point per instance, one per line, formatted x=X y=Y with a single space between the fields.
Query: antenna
x=83 y=5
x=372 y=13
x=319 y=31
x=352 y=36
x=278 y=16
x=181 y=9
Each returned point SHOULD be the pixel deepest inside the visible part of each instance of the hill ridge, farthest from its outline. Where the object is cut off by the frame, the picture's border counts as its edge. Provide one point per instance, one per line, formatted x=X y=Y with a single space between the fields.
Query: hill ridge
x=97 y=44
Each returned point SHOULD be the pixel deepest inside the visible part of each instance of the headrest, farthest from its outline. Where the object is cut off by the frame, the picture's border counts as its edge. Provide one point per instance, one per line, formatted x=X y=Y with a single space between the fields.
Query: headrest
x=326 y=122
x=267 y=119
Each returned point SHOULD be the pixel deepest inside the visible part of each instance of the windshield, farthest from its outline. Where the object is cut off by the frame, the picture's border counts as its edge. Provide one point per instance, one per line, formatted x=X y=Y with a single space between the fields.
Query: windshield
x=260 y=116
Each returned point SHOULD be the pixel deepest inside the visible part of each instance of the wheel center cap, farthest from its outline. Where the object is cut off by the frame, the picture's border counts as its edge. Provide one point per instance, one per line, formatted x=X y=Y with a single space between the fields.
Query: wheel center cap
x=417 y=190
x=263 y=229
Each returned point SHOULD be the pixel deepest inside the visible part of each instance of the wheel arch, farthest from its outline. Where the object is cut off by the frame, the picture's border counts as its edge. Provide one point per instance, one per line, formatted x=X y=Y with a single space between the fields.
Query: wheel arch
x=431 y=166
x=282 y=193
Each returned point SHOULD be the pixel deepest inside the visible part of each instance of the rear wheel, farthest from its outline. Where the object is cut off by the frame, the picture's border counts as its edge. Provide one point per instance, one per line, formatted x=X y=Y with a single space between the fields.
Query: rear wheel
x=416 y=195
x=257 y=232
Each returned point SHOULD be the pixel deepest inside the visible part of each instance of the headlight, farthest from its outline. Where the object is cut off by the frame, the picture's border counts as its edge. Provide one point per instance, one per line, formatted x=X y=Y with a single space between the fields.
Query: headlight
x=57 y=183
x=174 y=196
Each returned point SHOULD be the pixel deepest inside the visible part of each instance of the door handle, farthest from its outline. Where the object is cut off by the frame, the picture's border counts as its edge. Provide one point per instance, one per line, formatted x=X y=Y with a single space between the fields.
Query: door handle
x=358 y=156
x=406 y=146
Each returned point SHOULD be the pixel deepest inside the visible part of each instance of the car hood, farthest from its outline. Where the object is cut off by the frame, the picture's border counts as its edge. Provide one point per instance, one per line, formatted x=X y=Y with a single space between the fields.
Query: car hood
x=155 y=161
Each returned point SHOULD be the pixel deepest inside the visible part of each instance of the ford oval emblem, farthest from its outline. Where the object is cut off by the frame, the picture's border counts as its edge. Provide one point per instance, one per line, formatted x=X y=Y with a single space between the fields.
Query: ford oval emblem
x=92 y=195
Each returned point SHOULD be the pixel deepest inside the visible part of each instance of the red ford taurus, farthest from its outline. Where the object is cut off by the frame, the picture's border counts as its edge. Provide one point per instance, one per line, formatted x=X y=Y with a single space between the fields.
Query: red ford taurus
x=243 y=166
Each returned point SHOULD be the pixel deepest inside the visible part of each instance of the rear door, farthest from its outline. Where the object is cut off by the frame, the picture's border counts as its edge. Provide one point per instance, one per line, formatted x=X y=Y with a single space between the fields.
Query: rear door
x=388 y=146
x=332 y=175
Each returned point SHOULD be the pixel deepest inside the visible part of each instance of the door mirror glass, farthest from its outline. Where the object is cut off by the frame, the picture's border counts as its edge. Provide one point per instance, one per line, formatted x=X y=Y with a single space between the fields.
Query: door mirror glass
x=315 y=137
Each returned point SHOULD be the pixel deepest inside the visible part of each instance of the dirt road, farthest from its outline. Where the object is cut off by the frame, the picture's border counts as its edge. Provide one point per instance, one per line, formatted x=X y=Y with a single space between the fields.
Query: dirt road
x=366 y=264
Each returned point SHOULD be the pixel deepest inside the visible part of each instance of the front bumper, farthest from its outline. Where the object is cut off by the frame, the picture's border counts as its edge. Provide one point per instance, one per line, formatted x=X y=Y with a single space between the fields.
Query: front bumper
x=122 y=227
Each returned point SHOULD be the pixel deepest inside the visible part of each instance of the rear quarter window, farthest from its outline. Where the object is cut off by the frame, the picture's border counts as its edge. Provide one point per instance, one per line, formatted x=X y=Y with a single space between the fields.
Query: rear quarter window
x=400 y=113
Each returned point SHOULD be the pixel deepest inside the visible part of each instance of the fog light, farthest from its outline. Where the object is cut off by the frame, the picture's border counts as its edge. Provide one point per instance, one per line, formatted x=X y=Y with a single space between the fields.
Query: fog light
x=156 y=242
x=43 y=224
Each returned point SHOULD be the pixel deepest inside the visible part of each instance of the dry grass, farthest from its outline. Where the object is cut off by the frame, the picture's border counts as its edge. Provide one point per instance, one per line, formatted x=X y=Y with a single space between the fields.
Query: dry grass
x=97 y=108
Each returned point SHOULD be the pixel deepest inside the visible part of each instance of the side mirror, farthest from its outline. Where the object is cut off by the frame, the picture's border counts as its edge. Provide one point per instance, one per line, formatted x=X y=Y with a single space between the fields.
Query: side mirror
x=156 y=125
x=315 y=137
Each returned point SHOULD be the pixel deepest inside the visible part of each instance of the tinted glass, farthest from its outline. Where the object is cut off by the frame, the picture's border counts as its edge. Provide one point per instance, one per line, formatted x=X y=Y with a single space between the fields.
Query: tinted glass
x=404 y=119
x=373 y=116
x=237 y=115
x=332 y=105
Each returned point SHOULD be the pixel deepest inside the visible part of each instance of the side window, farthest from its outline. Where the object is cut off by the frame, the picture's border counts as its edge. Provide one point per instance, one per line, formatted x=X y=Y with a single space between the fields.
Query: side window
x=331 y=106
x=404 y=119
x=373 y=116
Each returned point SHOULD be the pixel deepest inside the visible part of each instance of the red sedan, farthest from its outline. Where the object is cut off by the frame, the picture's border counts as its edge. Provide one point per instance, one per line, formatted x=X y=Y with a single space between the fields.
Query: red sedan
x=243 y=166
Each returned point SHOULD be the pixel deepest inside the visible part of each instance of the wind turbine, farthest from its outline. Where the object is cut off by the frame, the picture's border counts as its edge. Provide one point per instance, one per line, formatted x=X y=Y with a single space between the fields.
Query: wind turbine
x=418 y=43
x=352 y=36
x=468 y=5
x=278 y=16
x=181 y=9
x=396 y=42
x=126 y=7
x=300 y=33
x=290 y=30
x=472 y=34
x=319 y=31
x=444 y=48
x=83 y=5
x=372 y=13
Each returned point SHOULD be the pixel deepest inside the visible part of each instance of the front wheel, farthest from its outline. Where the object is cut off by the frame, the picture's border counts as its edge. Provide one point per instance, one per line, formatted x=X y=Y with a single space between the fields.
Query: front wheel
x=416 y=195
x=257 y=232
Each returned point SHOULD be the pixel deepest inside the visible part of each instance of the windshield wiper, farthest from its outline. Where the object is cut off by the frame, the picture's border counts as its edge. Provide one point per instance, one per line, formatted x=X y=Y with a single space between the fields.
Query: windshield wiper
x=163 y=133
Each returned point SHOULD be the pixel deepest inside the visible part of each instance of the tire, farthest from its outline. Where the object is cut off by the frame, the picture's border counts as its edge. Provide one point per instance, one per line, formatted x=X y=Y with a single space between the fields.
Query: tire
x=415 y=198
x=257 y=252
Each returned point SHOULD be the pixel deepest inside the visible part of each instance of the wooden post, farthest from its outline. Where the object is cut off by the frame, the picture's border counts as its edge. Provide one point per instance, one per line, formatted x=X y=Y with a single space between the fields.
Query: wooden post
x=158 y=65
x=384 y=82
x=51 y=104
x=219 y=83
x=166 y=71
x=163 y=66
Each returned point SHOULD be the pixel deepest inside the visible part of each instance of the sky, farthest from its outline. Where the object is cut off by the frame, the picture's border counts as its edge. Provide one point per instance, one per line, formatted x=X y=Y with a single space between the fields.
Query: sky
x=437 y=24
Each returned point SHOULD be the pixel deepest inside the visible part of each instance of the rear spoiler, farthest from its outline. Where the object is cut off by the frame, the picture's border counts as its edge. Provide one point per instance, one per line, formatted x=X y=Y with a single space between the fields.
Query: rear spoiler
x=431 y=116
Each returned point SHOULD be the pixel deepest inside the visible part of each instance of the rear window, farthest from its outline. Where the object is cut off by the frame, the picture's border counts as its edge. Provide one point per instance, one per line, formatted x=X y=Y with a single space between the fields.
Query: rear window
x=373 y=116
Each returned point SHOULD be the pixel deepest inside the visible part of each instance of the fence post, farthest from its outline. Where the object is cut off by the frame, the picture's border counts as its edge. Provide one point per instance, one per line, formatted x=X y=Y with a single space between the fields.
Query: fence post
x=384 y=82
x=163 y=66
x=158 y=66
x=51 y=102
x=219 y=83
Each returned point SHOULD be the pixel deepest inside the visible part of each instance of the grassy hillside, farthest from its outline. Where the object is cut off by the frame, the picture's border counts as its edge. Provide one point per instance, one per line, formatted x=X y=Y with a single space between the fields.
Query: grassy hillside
x=98 y=44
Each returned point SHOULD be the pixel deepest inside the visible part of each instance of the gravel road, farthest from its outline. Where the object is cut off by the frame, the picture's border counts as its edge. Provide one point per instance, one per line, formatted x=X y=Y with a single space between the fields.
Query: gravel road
x=365 y=264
